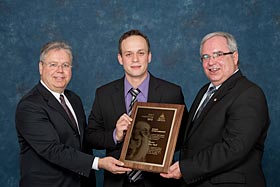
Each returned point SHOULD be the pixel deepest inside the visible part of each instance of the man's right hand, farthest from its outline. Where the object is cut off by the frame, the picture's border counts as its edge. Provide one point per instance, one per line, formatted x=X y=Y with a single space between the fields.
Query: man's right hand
x=121 y=126
x=113 y=165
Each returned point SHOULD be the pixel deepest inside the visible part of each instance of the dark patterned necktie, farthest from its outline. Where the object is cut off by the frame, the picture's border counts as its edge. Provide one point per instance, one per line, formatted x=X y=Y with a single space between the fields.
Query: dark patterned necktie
x=134 y=93
x=133 y=175
x=69 y=113
x=210 y=92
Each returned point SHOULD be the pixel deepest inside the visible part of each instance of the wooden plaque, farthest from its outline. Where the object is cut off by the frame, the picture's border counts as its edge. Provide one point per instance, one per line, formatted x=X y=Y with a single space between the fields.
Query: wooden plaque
x=150 y=141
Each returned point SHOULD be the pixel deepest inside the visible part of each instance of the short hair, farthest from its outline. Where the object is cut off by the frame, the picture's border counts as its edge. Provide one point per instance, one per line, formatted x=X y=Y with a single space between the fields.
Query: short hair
x=231 y=42
x=55 y=45
x=133 y=33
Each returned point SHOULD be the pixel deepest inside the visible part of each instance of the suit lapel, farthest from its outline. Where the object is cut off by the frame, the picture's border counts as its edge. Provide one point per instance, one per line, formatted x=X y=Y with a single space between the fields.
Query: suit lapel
x=221 y=92
x=118 y=97
x=153 y=95
x=53 y=103
x=75 y=107
x=193 y=124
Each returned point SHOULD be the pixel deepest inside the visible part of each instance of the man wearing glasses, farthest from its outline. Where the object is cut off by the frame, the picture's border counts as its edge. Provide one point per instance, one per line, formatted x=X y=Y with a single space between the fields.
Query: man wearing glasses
x=50 y=122
x=227 y=125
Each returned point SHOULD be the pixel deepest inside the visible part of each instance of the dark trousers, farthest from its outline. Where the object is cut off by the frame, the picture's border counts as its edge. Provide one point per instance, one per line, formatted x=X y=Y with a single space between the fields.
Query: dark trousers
x=139 y=183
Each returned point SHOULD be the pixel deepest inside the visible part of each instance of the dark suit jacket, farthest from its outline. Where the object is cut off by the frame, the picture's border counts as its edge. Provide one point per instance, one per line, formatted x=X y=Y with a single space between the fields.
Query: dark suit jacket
x=109 y=105
x=225 y=144
x=50 y=147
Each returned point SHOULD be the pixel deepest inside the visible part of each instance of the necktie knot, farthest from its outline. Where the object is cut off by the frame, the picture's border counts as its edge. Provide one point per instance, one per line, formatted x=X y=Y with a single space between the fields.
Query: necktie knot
x=134 y=93
x=61 y=97
x=211 y=90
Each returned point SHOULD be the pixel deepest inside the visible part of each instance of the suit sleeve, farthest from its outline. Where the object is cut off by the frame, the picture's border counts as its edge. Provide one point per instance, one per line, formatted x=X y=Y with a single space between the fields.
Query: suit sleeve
x=34 y=124
x=244 y=123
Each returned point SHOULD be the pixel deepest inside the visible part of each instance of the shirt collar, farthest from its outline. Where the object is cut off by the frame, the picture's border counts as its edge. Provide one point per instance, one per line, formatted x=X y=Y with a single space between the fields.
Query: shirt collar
x=55 y=94
x=143 y=87
x=217 y=87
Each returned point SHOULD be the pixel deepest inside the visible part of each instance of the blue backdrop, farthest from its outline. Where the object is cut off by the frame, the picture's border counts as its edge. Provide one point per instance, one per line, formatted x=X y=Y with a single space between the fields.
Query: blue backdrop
x=175 y=29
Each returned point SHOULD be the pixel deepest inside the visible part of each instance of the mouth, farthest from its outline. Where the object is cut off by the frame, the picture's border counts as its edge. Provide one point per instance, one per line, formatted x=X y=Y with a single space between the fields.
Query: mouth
x=135 y=67
x=214 y=69
x=59 y=78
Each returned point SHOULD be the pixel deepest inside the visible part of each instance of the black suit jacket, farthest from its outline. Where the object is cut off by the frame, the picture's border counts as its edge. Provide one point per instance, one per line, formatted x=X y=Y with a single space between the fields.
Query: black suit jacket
x=50 y=147
x=224 y=146
x=109 y=105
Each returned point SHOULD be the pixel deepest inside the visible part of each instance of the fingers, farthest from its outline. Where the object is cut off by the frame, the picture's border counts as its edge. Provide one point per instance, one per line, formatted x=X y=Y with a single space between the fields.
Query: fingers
x=113 y=165
x=120 y=170
x=117 y=167
x=173 y=172
x=174 y=167
x=166 y=175
x=122 y=125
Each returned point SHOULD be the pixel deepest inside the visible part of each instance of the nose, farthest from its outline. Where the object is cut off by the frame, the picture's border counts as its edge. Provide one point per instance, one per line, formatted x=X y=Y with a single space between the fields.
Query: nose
x=211 y=60
x=60 y=68
x=135 y=58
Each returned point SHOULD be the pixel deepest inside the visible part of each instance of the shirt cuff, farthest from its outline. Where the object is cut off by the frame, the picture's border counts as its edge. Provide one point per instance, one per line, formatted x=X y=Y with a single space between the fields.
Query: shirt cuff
x=95 y=163
x=114 y=137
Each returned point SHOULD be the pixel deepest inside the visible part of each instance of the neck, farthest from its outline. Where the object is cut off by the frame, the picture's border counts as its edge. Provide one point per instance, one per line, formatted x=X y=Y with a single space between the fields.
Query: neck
x=136 y=81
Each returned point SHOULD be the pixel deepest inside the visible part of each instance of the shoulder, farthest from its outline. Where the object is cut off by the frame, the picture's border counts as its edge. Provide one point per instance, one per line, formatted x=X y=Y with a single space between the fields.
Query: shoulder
x=111 y=86
x=32 y=95
x=247 y=86
x=33 y=101
x=155 y=81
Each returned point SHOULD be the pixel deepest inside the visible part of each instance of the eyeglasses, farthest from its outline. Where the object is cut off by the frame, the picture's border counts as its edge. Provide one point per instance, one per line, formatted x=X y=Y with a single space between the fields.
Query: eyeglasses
x=216 y=55
x=54 y=65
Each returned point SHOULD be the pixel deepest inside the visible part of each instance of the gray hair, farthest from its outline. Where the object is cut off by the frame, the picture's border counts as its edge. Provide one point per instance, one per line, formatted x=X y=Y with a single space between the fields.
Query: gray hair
x=56 y=45
x=231 y=42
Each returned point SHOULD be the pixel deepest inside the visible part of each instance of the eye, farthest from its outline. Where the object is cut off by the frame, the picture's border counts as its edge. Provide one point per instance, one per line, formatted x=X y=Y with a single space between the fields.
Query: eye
x=65 y=65
x=141 y=53
x=218 y=54
x=53 y=65
x=205 y=56
x=128 y=54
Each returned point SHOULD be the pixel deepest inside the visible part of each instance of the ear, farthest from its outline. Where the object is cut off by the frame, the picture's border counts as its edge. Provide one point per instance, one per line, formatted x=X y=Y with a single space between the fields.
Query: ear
x=150 y=57
x=120 y=59
x=235 y=58
x=40 y=67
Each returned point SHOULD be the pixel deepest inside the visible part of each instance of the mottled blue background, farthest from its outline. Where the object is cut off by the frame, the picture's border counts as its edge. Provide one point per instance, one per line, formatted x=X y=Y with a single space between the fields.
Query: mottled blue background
x=175 y=29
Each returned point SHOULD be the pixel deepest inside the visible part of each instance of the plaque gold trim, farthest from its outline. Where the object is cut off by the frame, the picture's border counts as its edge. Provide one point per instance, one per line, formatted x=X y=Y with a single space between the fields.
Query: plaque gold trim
x=150 y=141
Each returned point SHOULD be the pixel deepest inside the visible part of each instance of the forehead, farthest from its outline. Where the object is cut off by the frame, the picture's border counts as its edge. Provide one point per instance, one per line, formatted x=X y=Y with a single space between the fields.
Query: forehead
x=134 y=43
x=214 y=44
x=58 y=54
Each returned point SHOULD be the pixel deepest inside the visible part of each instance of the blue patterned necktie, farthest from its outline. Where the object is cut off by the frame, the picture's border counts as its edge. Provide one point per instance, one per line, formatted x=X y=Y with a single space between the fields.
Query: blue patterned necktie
x=209 y=93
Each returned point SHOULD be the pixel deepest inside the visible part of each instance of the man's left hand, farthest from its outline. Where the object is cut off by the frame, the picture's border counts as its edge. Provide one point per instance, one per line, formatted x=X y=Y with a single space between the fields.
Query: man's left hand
x=173 y=172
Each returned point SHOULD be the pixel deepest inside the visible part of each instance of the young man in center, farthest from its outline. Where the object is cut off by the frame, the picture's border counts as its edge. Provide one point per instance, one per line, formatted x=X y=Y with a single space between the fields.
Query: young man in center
x=109 y=117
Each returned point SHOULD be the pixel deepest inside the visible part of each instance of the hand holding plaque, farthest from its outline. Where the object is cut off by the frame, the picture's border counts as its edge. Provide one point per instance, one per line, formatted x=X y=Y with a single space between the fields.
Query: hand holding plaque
x=150 y=142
